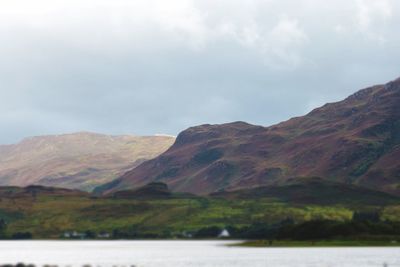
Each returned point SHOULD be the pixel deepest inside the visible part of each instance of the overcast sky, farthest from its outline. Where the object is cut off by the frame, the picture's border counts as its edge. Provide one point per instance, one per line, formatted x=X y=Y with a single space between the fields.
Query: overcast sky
x=160 y=66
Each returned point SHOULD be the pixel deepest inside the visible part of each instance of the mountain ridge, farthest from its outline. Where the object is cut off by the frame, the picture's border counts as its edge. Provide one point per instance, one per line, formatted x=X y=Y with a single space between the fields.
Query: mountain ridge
x=80 y=160
x=341 y=141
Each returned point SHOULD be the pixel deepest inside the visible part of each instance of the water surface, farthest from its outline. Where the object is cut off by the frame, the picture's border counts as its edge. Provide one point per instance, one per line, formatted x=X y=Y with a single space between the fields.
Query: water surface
x=189 y=254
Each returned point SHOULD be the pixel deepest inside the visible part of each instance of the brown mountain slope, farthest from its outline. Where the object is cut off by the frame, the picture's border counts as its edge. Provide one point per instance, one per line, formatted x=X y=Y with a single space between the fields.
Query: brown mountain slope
x=313 y=190
x=353 y=141
x=80 y=161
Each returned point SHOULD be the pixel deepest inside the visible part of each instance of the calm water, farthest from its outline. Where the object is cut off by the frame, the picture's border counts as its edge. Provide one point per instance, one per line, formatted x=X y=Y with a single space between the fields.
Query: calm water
x=189 y=254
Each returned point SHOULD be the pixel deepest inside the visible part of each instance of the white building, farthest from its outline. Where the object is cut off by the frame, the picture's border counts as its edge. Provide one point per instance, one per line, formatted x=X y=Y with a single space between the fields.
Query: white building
x=224 y=234
x=104 y=235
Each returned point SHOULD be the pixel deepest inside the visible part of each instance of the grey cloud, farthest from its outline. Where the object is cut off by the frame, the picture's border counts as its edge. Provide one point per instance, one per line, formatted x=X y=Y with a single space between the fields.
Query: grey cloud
x=149 y=67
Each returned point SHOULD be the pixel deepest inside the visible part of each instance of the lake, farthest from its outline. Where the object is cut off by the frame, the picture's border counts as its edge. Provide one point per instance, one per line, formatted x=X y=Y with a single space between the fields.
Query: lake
x=189 y=254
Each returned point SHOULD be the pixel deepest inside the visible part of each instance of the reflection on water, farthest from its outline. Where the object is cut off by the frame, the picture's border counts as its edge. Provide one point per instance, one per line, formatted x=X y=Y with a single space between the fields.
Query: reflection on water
x=187 y=254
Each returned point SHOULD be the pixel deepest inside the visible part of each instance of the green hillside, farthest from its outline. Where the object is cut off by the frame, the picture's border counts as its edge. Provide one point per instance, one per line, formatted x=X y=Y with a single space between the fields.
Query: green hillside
x=49 y=214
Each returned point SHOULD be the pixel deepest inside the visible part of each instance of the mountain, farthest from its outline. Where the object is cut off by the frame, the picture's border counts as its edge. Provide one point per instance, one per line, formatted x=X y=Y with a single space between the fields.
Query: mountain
x=34 y=191
x=354 y=141
x=149 y=191
x=313 y=190
x=78 y=161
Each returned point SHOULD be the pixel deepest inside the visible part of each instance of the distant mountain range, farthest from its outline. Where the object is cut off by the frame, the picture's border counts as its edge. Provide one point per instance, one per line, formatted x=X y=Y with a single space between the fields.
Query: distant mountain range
x=355 y=141
x=77 y=161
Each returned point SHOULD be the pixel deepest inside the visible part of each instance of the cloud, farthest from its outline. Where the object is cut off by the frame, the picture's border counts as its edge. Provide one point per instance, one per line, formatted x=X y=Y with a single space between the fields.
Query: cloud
x=151 y=66
x=372 y=15
x=284 y=40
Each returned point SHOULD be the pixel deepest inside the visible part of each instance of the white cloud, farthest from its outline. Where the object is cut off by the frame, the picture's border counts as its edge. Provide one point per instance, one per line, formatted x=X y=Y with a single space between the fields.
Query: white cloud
x=100 y=26
x=285 y=39
x=371 y=16
x=339 y=29
x=146 y=66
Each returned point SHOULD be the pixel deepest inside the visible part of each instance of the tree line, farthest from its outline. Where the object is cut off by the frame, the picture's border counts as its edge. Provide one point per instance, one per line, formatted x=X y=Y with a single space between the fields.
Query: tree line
x=363 y=225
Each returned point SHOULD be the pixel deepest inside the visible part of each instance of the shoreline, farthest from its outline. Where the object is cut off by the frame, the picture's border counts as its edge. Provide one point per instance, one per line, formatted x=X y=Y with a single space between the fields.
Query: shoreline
x=240 y=243
x=320 y=243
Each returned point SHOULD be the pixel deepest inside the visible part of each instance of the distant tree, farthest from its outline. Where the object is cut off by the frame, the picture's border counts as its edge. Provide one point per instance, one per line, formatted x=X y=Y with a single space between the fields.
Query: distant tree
x=366 y=216
x=21 y=235
x=90 y=234
x=3 y=228
x=166 y=234
x=258 y=231
x=234 y=231
x=208 y=232
x=116 y=233
x=310 y=230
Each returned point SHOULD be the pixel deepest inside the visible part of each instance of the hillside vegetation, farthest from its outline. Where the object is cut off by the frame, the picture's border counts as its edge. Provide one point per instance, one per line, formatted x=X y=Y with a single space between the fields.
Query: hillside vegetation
x=49 y=213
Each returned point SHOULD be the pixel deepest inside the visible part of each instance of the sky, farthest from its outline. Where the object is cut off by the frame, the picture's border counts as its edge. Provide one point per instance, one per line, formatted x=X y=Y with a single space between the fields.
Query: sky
x=160 y=66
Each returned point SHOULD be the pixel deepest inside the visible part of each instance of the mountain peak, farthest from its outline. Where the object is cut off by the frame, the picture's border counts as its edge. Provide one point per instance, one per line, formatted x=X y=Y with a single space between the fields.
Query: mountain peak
x=214 y=131
x=350 y=141
x=79 y=160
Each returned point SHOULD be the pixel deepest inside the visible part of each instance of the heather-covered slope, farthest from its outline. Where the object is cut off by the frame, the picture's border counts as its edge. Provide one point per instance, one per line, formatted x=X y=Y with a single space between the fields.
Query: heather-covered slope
x=79 y=161
x=352 y=141
x=313 y=190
